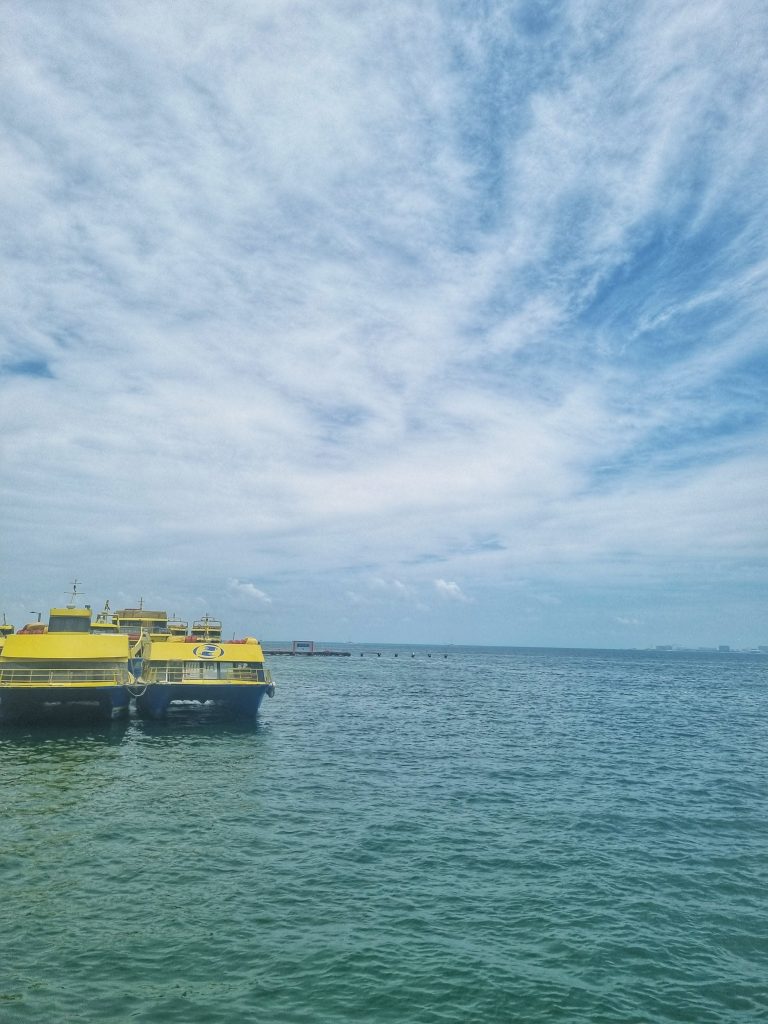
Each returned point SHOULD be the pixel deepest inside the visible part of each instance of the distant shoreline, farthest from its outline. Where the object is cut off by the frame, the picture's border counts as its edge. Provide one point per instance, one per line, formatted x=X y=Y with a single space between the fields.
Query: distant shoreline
x=329 y=646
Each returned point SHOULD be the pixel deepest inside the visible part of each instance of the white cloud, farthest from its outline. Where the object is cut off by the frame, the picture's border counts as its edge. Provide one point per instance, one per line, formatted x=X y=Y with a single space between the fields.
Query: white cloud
x=249 y=590
x=451 y=590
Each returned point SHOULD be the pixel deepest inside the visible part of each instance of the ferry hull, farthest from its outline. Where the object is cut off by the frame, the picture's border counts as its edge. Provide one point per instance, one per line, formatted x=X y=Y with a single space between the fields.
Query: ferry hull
x=21 y=702
x=242 y=699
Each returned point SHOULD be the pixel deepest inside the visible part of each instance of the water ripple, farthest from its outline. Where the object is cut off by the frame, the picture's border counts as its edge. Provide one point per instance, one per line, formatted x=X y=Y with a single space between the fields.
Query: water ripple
x=491 y=837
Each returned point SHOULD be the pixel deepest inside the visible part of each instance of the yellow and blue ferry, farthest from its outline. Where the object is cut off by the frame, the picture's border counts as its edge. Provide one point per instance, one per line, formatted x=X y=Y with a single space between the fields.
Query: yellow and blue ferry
x=137 y=621
x=175 y=668
x=207 y=628
x=64 y=662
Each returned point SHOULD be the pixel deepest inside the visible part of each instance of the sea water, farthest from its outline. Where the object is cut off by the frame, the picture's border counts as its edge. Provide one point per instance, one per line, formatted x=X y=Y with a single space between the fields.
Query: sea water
x=449 y=835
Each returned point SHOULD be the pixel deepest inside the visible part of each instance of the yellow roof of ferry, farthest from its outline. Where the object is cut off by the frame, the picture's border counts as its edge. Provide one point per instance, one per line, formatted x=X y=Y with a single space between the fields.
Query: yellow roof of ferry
x=66 y=646
x=176 y=649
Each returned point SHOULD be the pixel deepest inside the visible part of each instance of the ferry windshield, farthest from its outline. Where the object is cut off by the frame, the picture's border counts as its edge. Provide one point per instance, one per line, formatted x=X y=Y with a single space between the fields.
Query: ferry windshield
x=69 y=624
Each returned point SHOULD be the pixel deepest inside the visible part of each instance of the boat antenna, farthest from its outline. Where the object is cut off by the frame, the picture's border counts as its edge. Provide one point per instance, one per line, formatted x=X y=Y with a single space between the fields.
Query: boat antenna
x=73 y=596
x=38 y=614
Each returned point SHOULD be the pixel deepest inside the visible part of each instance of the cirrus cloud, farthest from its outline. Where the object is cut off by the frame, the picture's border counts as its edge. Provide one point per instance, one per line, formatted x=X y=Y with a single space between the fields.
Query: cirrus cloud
x=315 y=300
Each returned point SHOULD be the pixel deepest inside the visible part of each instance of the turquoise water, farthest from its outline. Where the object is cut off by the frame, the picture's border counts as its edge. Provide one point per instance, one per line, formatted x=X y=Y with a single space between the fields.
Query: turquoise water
x=492 y=836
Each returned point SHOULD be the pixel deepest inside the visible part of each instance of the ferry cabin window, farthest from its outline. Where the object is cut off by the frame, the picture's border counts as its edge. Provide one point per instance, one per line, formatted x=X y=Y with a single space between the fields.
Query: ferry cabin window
x=165 y=672
x=249 y=670
x=201 y=669
x=69 y=624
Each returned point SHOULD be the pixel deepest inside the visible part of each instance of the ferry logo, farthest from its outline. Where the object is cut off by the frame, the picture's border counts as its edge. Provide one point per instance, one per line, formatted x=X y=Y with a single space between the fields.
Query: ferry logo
x=208 y=651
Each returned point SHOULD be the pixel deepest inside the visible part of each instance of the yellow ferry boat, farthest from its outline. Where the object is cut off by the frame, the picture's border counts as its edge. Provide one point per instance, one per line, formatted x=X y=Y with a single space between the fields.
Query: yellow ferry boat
x=64 y=663
x=189 y=669
x=137 y=621
x=207 y=628
x=177 y=627
x=104 y=623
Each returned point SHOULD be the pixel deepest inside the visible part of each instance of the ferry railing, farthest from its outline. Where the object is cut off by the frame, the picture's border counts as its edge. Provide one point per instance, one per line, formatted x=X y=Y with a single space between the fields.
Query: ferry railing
x=20 y=676
x=180 y=673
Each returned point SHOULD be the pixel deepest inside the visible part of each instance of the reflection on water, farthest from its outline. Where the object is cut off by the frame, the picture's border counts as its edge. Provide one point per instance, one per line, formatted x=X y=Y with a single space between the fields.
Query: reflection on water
x=202 y=720
x=66 y=755
x=65 y=732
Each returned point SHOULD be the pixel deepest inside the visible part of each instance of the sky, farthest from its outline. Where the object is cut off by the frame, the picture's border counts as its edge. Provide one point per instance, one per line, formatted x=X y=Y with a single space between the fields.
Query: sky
x=419 y=321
